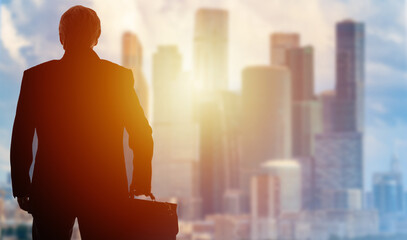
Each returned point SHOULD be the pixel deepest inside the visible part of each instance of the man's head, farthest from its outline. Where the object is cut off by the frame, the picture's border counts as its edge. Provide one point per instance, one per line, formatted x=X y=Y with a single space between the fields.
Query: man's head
x=79 y=28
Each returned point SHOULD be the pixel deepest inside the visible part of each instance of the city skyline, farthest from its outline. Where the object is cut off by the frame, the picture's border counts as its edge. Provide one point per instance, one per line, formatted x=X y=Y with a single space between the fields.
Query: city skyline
x=218 y=144
x=383 y=120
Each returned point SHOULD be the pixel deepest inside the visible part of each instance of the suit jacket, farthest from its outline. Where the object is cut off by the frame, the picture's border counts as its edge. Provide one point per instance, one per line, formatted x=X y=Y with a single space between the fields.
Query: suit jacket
x=78 y=106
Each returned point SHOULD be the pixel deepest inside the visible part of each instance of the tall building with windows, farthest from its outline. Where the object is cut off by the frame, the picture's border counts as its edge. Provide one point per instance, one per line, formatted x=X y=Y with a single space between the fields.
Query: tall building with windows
x=339 y=148
x=388 y=192
x=349 y=76
x=265 y=206
x=275 y=192
x=167 y=69
x=337 y=166
x=327 y=101
x=300 y=61
x=305 y=108
x=175 y=132
x=279 y=44
x=266 y=122
x=211 y=156
x=211 y=49
x=216 y=110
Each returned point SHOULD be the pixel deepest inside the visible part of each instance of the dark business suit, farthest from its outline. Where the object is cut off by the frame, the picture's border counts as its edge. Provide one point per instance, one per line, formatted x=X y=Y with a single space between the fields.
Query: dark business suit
x=79 y=107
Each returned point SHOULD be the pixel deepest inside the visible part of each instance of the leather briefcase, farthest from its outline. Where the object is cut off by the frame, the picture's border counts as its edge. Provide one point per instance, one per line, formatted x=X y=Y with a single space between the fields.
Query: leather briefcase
x=151 y=220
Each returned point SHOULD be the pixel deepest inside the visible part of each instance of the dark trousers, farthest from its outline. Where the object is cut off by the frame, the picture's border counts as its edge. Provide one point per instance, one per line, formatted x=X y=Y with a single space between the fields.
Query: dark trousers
x=92 y=225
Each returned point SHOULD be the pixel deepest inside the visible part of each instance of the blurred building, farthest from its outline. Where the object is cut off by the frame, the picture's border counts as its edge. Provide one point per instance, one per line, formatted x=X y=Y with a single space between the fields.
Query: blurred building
x=324 y=224
x=175 y=133
x=289 y=174
x=300 y=61
x=211 y=49
x=306 y=112
x=266 y=122
x=231 y=118
x=349 y=107
x=232 y=202
x=216 y=110
x=388 y=190
x=307 y=122
x=265 y=206
x=280 y=43
x=339 y=148
x=327 y=101
x=196 y=230
x=277 y=191
x=167 y=69
x=338 y=166
x=132 y=57
x=2 y=212
x=230 y=227
x=348 y=199
x=211 y=156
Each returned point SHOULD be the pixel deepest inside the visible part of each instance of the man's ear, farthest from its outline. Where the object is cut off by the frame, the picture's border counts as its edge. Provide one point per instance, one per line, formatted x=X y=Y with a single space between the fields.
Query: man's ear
x=96 y=43
x=97 y=39
x=61 y=40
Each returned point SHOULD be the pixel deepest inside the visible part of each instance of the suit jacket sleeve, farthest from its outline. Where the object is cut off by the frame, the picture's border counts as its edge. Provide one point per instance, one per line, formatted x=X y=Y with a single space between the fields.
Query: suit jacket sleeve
x=21 y=141
x=140 y=138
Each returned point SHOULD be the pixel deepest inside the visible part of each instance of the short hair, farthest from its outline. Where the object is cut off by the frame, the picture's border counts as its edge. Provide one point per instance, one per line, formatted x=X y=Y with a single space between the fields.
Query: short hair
x=79 y=27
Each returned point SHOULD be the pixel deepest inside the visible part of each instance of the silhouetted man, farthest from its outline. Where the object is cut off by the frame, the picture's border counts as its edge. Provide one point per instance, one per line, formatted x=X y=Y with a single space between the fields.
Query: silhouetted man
x=78 y=106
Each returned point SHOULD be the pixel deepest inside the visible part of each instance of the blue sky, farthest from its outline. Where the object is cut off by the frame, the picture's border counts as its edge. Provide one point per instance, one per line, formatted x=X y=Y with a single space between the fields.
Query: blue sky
x=29 y=36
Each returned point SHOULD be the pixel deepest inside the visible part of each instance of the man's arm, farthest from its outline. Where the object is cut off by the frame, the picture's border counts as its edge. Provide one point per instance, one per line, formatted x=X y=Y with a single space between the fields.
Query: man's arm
x=140 y=140
x=21 y=141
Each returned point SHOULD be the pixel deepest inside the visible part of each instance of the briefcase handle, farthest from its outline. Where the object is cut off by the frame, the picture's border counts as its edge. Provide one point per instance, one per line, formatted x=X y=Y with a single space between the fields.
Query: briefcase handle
x=150 y=195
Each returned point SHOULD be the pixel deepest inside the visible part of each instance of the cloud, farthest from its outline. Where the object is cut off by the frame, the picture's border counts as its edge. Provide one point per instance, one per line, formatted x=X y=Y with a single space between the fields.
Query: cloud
x=4 y=158
x=12 y=40
x=38 y=3
x=378 y=108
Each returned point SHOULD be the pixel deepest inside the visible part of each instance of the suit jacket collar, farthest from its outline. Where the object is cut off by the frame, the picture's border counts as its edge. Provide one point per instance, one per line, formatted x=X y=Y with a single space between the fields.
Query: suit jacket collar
x=80 y=55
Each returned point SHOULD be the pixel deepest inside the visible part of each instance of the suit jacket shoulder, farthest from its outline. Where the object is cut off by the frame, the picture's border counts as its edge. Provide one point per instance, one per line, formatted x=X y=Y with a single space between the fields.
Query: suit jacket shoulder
x=113 y=66
x=41 y=67
x=119 y=73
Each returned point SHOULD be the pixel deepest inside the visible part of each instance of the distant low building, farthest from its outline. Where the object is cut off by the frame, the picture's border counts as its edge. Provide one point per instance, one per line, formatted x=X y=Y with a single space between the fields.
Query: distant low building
x=322 y=224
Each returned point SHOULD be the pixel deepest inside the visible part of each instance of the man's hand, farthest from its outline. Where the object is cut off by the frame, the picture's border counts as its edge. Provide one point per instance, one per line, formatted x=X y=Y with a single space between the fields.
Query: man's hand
x=136 y=192
x=23 y=202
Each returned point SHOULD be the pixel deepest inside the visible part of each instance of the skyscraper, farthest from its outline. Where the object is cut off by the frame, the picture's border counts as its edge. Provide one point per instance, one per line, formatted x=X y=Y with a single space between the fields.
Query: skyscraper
x=327 y=101
x=132 y=56
x=289 y=174
x=280 y=43
x=167 y=64
x=266 y=122
x=174 y=130
x=338 y=166
x=305 y=108
x=339 y=149
x=300 y=61
x=216 y=150
x=349 y=76
x=231 y=107
x=211 y=49
x=132 y=51
x=276 y=191
x=388 y=190
x=211 y=156
x=265 y=206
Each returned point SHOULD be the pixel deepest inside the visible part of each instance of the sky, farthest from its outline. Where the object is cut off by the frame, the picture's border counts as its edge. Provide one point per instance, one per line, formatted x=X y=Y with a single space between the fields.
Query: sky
x=29 y=36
